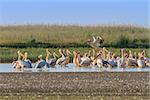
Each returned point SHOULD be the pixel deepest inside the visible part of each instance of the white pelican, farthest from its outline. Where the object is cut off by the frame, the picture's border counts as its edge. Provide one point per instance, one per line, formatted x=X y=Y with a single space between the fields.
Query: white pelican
x=147 y=62
x=101 y=62
x=111 y=60
x=24 y=63
x=93 y=58
x=65 y=58
x=95 y=42
x=140 y=61
x=81 y=61
x=51 y=61
x=93 y=55
x=121 y=62
x=41 y=63
x=84 y=59
x=131 y=62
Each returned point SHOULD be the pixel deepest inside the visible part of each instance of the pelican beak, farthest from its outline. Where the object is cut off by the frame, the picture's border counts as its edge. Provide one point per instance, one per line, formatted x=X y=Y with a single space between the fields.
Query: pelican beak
x=55 y=54
x=40 y=56
x=47 y=51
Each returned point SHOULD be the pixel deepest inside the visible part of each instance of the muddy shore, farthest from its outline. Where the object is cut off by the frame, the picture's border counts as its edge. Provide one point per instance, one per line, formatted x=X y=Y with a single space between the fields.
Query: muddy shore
x=94 y=83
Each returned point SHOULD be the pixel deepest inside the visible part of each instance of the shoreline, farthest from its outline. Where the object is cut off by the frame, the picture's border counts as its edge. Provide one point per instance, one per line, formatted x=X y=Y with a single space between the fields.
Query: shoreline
x=72 y=83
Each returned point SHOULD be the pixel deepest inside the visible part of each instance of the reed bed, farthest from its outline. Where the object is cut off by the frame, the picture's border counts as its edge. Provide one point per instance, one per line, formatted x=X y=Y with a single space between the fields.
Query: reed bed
x=59 y=35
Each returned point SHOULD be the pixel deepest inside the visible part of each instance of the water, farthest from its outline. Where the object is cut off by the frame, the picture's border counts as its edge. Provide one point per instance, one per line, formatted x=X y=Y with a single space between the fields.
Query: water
x=7 y=67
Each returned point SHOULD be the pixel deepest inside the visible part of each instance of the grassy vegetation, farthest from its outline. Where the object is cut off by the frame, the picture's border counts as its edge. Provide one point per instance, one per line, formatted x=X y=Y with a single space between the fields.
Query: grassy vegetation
x=72 y=36
x=35 y=38
x=10 y=54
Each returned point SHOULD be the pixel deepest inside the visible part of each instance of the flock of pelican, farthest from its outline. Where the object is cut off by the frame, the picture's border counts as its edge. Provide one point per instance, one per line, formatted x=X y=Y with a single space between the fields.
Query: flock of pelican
x=102 y=58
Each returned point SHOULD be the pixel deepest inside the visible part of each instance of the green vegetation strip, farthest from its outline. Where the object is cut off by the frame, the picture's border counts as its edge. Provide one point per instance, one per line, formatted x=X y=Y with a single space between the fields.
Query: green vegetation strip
x=7 y=55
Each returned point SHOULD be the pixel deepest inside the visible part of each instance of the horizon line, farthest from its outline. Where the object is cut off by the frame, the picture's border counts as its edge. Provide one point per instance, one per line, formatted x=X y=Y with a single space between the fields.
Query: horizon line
x=82 y=25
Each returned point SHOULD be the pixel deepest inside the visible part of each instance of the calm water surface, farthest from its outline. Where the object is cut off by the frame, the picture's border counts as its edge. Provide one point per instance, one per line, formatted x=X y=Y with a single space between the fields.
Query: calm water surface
x=7 y=67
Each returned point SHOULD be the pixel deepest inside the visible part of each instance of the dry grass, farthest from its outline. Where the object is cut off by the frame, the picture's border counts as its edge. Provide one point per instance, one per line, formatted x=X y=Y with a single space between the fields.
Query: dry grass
x=71 y=34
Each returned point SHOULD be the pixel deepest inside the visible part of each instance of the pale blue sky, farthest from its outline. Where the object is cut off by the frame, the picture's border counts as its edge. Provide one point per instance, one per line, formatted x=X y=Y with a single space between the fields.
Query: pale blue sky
x=82 y=12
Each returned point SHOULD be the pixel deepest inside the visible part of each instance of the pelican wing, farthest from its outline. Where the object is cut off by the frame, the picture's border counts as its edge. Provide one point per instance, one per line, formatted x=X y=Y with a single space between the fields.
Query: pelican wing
x=141 y=63
x=41 y=64
x=112 y=63
x=51 y=61
x=94 y=39
x=132 y=62
x=85 y=61
x=26 y=64
x=61 y=60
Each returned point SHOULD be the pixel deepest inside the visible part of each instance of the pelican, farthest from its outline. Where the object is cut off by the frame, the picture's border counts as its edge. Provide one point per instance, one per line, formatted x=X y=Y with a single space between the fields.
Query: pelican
x=85 y=59
x=140 y=61
x=65 y=58
x=102 y=58
x=95 y=42
x=93 y=55
x=89 y=54
x=75 y=58
x=147 y=62
x=62 y=58
x=17 y=64
x=111 y=60
x=41 y=63
x=105 y=53
x=101 y=62
x=51 y=61
x=81 y=61
x=24 y=63
x=121 y=62
x=93 y=58
x=132 y=62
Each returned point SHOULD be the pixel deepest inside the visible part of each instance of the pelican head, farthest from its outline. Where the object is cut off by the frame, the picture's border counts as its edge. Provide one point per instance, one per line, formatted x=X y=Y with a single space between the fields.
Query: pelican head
x=25 y=55
x=60 y=51
x=74 y=53
x=68 y=51
x=18 y=51
x=100 y=38
x=40 y=57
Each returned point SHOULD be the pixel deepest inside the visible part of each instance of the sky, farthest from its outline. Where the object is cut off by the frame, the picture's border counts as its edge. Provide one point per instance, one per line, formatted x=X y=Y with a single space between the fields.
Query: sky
x=80 y=12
